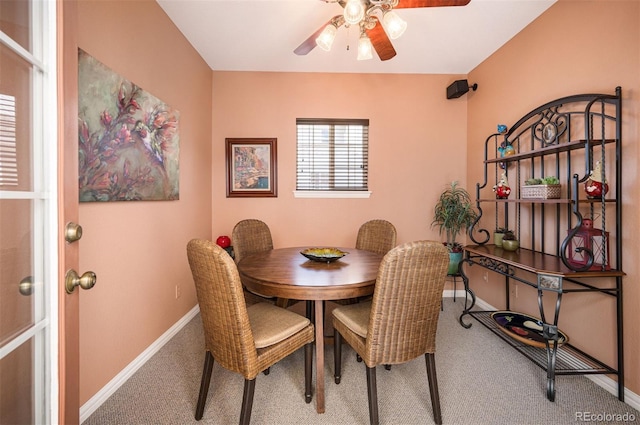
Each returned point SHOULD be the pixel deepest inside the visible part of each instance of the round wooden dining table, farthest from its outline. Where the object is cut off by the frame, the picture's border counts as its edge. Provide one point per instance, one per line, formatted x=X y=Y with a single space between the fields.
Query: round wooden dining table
x=286 y=273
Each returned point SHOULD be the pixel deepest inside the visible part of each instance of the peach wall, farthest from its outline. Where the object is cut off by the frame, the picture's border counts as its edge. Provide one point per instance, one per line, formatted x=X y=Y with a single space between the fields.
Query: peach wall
x=559 y=54
x=138 y=249
x=417 y=143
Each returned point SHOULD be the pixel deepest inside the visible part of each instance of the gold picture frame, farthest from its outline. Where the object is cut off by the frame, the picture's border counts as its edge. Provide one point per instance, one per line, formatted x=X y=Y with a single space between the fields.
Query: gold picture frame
x=251 y=167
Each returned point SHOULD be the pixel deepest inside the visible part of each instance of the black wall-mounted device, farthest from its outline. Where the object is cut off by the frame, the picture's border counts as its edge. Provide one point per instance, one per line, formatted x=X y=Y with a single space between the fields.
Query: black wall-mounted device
x=458 y=88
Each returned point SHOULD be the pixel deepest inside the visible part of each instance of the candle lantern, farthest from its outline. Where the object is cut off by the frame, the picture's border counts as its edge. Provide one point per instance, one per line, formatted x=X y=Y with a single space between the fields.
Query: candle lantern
x=593 y=240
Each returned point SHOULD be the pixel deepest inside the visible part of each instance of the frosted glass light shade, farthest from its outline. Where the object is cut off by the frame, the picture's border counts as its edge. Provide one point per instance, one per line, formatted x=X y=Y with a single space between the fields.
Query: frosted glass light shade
x=393 y=24
x=353 y=11
x=365 y=48
x=326 y=37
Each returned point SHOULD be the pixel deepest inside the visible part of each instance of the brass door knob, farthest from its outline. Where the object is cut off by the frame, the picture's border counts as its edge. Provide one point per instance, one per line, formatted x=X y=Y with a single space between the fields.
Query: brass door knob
x=86 y=281
x=26 y=286
x=72 y=232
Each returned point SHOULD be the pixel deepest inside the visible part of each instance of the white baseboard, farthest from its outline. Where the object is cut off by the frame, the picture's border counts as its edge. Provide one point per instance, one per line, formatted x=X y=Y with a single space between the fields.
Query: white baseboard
x=459 y=294
x=611 y=386
x=603 y=381
x=101 y=396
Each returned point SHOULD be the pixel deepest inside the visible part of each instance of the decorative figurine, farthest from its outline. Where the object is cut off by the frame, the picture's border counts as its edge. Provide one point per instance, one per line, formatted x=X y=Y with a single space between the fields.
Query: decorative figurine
x=502 y=189
x=596 y=185
x=505 y=149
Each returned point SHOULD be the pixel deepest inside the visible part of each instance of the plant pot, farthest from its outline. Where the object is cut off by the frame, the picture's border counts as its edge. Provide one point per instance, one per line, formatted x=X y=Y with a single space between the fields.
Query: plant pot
x=510 y=244
x=497 y=239
x=454 y=262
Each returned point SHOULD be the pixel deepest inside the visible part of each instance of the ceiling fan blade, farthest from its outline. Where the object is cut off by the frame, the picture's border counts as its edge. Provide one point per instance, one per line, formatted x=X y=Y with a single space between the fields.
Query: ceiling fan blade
x=381 y=42
x=310 y=42
x=406 y=4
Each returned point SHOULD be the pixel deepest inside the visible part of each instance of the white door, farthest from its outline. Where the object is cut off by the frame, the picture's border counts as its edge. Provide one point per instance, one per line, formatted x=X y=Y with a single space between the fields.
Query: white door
x=28 y=217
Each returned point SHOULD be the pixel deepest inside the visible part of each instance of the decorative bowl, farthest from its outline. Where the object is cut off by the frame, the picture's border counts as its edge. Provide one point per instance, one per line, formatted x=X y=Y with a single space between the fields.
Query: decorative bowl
x=524 y=328
x=510 y=244
x=323 y=255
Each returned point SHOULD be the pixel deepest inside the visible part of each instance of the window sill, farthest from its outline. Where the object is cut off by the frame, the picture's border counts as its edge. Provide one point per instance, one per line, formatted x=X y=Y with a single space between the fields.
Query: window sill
x=355 y=194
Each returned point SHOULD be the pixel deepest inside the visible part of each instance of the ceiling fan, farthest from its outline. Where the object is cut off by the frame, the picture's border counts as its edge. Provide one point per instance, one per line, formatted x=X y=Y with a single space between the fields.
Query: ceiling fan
x=377 y=21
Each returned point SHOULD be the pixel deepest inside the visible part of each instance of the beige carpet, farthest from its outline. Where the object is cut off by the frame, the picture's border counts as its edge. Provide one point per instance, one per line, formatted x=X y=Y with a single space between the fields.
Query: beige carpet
x=482 y=380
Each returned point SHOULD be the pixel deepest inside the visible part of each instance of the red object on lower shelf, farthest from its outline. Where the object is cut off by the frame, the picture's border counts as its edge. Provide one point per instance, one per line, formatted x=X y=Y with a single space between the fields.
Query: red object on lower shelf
x=223 y=241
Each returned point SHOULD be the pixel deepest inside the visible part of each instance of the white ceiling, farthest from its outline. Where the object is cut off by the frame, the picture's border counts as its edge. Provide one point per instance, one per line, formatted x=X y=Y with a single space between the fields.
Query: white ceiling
x=260 y=35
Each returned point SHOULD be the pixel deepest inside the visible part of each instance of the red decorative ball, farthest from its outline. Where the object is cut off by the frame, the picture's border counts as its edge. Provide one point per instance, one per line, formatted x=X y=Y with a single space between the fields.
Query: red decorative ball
x=223 y=241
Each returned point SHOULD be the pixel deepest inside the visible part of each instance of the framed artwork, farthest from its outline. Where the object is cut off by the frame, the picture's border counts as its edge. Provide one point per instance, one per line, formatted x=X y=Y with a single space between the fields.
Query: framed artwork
x=128 y=140
x=251 y=168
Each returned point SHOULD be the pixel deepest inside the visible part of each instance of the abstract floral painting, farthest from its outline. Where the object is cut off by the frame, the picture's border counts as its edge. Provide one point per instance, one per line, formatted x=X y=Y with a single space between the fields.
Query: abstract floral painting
x=128 y=139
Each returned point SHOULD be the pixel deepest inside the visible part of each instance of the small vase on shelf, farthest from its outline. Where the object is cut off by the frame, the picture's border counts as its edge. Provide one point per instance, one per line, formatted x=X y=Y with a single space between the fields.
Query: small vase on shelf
x=509 y=241
x=498 y=234
x=510 y=244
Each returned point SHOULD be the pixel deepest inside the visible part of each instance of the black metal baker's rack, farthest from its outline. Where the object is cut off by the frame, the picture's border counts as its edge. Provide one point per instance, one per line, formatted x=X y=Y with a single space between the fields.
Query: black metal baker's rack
x=567 y=138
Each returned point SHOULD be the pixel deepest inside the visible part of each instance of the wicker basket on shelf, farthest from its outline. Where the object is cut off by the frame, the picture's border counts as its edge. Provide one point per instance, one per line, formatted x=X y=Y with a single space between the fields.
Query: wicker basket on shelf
x=540 y=191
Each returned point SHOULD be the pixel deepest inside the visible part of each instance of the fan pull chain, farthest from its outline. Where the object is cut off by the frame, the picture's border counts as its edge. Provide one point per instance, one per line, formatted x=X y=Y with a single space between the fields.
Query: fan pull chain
x=348 y=36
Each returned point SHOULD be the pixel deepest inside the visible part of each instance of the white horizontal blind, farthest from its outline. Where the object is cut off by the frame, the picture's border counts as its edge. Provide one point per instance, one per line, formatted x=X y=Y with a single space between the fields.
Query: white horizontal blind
x=8 y=161
x=332 y=154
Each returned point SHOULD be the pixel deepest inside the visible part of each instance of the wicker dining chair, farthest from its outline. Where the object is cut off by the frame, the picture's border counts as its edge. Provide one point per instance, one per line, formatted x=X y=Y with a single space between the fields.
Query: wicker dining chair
x=246 y=340
x=377 y=236
x=400 y=322
x=248 y=237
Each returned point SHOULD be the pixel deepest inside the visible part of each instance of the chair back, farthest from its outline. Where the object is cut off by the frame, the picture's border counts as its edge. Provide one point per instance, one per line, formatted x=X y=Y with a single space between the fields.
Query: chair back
x=377 y=236
x=250 y=236
x=227 y=330
x=406 y=303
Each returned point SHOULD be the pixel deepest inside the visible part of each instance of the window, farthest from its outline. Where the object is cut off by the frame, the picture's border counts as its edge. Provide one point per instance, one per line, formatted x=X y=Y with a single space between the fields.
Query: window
x=332 y=155
x=8 y=164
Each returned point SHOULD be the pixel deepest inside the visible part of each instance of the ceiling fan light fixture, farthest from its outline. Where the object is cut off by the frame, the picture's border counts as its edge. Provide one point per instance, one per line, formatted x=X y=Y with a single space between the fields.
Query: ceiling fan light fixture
x=326 y=37
x=353 y=11
x=365 y=48
x=393 y=24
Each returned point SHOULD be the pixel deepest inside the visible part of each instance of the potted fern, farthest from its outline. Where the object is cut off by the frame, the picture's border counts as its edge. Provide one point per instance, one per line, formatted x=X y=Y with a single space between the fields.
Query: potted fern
x=453 y=214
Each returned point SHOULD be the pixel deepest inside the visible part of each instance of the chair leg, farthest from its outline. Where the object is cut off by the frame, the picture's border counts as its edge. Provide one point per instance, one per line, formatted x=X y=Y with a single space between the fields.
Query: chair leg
x=372 y=392
x=204 y=384
x=308 y=371
x=266 y=371
x=311 y=311
x=282 y=302
x=433 y=387
x=337 y=356
x=247 y=401
x=324 y=313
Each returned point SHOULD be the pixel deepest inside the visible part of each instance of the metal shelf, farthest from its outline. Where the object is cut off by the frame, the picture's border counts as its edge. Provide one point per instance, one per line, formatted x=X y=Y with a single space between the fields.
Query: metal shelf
x=569 y=360
x=570 y=146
